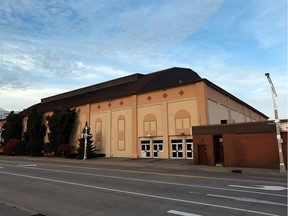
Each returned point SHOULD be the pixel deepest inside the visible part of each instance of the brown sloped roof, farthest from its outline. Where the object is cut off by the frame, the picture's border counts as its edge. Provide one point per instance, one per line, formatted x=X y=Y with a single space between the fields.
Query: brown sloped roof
x=122 y=87
x=127 y=86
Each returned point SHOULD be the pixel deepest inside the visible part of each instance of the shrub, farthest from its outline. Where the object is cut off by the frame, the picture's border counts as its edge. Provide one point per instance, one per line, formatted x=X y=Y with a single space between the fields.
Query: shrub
x=66 y=150
x=48 y=151
x=20 y=149
x=9 y=148
x=36 y=148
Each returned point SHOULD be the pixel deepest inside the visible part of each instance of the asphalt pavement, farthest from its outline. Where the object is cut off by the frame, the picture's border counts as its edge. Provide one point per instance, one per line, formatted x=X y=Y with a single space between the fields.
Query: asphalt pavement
x=10 y=209
x=176 y=164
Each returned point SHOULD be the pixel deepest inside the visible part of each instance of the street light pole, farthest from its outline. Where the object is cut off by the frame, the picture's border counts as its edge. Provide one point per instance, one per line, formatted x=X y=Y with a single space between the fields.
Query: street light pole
x=1 y=139
x=277 y=123
x=85 y=142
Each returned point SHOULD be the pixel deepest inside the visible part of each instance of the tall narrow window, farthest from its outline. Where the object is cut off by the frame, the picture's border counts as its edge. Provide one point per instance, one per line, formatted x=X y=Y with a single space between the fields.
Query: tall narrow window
x=98 y=132
x=121 y=133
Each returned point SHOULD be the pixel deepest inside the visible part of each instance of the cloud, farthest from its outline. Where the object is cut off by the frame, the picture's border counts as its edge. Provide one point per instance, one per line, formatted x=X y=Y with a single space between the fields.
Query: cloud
x=44 y=40
x=268 y=23
x=151 y=22
x=36 y=18
x=23 y=65
x=115 y=19
x=73 y=44
x=248 y=84
x=147 y=32
x=11 y=101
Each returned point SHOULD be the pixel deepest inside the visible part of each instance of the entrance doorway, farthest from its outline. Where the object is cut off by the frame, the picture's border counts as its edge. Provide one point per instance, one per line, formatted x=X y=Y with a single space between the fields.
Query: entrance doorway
x=189 y=149
x=157 y=147
x=145 y=149
x=202 y=155
x=218 y=150
x=177 y=149
x=151 y=148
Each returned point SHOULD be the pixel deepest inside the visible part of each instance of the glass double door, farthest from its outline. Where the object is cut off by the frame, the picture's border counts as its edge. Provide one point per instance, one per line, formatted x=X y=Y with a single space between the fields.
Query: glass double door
x=151 y=148
x=157 y=148
x=177 y=149
x=145 y=149
x=189 y=149
x=181 y=149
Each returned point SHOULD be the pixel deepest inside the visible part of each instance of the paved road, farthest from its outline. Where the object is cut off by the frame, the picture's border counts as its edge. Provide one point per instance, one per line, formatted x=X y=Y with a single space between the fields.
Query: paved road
x=107 y=187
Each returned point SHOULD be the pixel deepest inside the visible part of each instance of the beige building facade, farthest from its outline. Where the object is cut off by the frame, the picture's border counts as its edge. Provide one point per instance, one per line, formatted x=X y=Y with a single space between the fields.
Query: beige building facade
x=150 y=116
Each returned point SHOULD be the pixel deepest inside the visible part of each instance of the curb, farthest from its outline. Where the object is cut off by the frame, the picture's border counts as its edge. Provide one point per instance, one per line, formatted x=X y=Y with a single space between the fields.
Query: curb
x=14 y=209
x=154 y=163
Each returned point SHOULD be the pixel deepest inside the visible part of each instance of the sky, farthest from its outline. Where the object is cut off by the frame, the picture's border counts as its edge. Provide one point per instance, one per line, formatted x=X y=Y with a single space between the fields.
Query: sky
x=49 y=47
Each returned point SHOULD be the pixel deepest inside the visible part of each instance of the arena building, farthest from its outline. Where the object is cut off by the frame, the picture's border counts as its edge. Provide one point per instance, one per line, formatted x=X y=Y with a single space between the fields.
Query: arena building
x=150 y=116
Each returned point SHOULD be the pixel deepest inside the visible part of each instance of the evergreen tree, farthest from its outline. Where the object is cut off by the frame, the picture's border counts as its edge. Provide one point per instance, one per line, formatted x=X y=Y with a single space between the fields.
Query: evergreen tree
x=60 y=125
x=91 y=152
x=36 y=131
x=13 y=127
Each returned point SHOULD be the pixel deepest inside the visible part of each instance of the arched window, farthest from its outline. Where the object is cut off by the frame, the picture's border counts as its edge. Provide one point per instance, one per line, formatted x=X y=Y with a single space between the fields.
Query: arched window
x=182 y=122
x=150 y=125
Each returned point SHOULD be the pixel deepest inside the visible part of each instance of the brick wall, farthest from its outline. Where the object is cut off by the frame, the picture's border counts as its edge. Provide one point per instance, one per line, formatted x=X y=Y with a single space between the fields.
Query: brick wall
x=254 y=146
x=251 y=150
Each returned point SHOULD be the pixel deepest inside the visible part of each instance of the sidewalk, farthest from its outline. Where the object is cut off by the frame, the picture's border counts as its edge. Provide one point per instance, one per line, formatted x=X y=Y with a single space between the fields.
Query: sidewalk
x=157 y=163
x=178 y=164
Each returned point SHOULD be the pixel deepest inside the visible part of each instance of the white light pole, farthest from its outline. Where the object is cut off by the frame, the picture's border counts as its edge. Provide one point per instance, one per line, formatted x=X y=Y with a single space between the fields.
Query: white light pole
x=1 y=139
x=85 y=135
x=277 y=123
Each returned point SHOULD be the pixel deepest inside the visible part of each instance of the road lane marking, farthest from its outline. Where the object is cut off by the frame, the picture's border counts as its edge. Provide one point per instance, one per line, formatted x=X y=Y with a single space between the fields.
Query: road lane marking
x=181 y=213
x=27 y=165
x=138 y=194
x=174 y=175
x=192 y=192
x=262 y=187
x=246 y=199
x=157 y=173
x=152 y=181
x=270 y=178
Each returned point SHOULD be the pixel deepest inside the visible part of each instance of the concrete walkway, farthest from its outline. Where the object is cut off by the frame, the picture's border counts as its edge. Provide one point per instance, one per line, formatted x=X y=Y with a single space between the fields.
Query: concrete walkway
x=177 y=164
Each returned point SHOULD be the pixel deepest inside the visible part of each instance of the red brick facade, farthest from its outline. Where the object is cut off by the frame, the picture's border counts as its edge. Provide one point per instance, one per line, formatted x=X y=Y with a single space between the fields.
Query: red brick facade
x=244 y=145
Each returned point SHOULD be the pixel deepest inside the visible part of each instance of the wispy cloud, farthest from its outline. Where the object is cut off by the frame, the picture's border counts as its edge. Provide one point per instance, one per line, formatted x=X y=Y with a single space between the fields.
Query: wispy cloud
x=85 y=38
x=268 y=23
x=62 y=45
x=247 y=84
x=23 y=66
x=25 y=98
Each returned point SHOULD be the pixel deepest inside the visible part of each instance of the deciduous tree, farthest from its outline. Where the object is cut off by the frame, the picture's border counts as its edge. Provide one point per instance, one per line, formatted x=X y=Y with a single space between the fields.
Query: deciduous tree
x=13 y=127
x=60 y=125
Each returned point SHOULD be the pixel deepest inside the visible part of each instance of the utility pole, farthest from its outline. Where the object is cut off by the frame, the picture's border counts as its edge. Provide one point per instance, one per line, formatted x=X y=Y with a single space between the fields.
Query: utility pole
x=277 y=123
